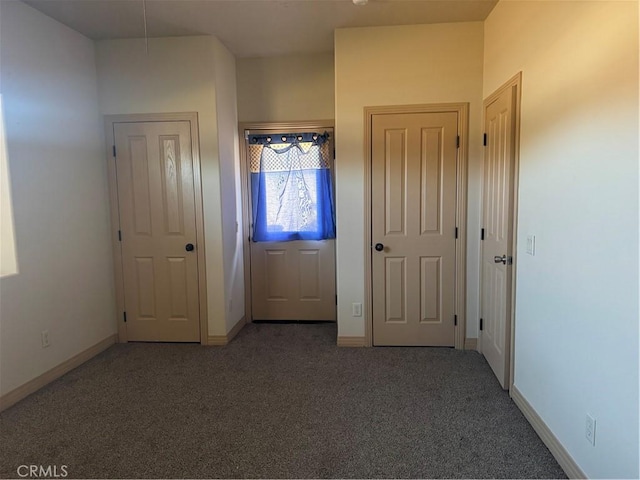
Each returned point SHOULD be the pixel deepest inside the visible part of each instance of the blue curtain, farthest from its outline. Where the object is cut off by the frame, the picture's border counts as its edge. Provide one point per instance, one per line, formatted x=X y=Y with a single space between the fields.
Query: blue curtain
x=292 y=194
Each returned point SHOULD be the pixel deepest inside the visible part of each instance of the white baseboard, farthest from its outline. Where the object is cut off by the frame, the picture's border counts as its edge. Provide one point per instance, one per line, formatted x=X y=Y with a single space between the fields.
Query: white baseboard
x=471 y=344
x=351 y=342
x=563 y=457
x=17 y=394
x=222 y=340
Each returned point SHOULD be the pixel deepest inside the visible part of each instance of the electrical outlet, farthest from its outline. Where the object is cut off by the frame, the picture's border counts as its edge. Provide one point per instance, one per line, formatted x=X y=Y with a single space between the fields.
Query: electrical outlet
x=44 y=335
x=356 y=309
x=590 y=429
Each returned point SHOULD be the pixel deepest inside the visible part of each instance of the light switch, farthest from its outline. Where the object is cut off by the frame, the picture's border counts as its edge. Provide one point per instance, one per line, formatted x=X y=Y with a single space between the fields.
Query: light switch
x=531 y=244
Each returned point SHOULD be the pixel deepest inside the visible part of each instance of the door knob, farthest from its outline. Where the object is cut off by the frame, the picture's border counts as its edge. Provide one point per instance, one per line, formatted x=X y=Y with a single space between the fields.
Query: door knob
x=379 y=247
x=189 y=247
x=503 y=259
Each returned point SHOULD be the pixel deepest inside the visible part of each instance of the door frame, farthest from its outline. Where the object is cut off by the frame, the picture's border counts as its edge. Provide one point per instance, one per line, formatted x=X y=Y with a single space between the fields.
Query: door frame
x=462 y=109
x=275 y=127
x=192 y=118
x=515 y=84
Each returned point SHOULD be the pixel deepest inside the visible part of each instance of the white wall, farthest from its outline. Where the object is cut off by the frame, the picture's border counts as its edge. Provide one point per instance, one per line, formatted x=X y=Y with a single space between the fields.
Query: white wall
x=577 y=298
x=286 y=88
x=60 y=200
x=230 y=190
x=178 y=75
x=415 y=64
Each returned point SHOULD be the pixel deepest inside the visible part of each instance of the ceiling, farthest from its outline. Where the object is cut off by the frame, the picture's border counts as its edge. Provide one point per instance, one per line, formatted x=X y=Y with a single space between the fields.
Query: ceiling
x=253 y=28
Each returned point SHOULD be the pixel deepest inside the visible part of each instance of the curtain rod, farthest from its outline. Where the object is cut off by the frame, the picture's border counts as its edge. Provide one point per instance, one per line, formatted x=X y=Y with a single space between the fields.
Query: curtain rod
x=277 y=138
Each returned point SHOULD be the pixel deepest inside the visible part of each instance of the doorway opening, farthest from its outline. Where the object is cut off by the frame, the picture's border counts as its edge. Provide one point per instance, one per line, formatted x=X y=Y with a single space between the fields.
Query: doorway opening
x=289 y=214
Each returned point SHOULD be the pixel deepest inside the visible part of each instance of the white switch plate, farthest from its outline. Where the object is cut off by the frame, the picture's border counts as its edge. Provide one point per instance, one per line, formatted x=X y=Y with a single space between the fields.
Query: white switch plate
x=45 y=338
x=531 y=244
x=356 y=309
x=590 y=430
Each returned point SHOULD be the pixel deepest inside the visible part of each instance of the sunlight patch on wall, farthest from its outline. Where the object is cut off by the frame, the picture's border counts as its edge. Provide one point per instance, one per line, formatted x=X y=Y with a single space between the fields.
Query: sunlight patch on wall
x=8 y=259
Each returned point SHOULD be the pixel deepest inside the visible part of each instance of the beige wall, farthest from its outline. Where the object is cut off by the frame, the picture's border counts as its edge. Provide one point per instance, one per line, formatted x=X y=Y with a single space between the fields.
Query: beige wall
x=395 y=66
x=59 y=188
x=177 y=75
x=286 y=88
x=576 y=347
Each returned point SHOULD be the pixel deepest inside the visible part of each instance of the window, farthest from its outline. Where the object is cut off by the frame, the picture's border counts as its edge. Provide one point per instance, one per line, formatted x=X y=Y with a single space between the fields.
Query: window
x=291 y=188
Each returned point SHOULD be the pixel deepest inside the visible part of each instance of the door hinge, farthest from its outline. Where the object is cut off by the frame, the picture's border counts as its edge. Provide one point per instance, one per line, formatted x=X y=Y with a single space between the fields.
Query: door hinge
x=456 y=232
x=455 y=320
x=484 y=139
x=114 y=151
x=124 y=316
x=482 y=234
x=481 y=325
x=119 y=235
x=336 y=299
x=458 y=142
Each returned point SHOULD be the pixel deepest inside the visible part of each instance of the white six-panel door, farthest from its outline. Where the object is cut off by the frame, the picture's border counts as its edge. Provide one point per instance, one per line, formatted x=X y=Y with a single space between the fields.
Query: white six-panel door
x=414 y=158
x=156 y=205
x=497 y=220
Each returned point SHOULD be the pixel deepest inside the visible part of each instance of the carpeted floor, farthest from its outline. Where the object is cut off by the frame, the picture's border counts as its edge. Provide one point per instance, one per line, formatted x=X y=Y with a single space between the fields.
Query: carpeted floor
x=279 y=401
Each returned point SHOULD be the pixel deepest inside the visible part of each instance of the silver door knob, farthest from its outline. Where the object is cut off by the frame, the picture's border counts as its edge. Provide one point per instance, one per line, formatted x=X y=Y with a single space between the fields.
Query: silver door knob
x=503 y=259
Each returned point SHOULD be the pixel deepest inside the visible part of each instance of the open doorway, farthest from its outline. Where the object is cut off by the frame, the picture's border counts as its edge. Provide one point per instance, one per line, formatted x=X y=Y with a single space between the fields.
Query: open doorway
x=289 y=214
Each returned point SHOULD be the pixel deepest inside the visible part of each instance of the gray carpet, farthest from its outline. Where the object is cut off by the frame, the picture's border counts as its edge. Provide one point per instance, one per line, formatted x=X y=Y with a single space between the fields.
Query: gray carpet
x=279 y=401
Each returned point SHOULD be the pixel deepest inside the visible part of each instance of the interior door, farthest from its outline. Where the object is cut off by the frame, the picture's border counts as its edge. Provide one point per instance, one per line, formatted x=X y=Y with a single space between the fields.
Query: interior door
x=414 y=159
x=497 y=234
x=292 y=280
x=158 y=230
